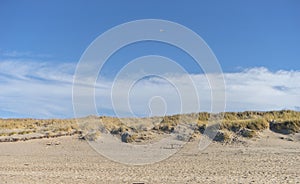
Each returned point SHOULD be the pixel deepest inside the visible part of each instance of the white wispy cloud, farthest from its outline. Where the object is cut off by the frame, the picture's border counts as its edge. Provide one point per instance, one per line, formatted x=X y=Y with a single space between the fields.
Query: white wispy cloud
x=44 y=90
x=260 y=89
x=36 y=89
x=18 y=54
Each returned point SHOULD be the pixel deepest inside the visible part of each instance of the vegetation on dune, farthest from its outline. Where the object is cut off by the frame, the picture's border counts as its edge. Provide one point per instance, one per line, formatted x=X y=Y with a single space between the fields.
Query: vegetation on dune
x=90 y=135
x=248 y=133
x=252 y=124
x=119 y=129
x=35 y=124
x=284 y=115
x=285 y=127
x=246 y=124
x=203 y=116
x=224 y=136
x=168 y=123
x=127 y=137
x=9 y=127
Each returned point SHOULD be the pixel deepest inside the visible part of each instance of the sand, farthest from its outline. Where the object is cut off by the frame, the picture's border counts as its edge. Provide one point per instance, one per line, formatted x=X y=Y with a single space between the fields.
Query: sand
x=271 y=158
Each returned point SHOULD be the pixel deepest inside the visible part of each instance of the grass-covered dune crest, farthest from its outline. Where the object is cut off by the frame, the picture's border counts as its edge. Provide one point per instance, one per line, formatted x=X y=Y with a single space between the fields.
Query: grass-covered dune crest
x=246 y=124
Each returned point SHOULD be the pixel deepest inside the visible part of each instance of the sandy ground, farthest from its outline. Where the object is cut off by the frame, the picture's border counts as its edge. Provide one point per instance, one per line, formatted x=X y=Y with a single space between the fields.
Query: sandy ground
x=268 y=159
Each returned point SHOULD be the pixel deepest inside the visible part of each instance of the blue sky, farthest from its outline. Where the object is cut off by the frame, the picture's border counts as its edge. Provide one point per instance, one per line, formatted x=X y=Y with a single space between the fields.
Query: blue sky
x=42 y=41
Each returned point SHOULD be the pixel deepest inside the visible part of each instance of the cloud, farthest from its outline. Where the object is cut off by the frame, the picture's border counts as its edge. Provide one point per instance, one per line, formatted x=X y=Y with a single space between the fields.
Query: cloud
x=36 y=89
x=251 y=89
x=260 y=89
x=44 y=90
x=18 y=54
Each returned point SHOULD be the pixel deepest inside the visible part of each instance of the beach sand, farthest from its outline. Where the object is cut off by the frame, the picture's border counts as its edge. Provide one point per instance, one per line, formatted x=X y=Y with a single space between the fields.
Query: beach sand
x=271 y=158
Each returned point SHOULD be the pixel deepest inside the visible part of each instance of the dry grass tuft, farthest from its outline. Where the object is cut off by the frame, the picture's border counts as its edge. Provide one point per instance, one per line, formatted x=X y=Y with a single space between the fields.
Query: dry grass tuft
x=223 y=136
x=252 y=124
x=90 y=136
x=248 y=133
x=168 y=124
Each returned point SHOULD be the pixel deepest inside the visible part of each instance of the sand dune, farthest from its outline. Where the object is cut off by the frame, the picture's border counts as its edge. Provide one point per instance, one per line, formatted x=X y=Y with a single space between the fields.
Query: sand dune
x=250 y=147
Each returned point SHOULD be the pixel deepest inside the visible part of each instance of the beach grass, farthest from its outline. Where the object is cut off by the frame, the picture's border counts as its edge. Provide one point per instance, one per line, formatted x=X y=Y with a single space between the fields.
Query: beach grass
x=247 y=124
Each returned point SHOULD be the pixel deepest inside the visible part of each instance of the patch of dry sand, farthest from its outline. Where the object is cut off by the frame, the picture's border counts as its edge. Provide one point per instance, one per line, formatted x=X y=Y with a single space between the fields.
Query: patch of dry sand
x=267 y=159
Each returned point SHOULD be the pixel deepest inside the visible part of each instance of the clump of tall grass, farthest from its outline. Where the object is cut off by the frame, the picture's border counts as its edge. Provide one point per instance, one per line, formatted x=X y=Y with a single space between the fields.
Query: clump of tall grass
x=252 y=124
x=168 y=123
x=223 y=136
x=285 y=127
x=281 y=115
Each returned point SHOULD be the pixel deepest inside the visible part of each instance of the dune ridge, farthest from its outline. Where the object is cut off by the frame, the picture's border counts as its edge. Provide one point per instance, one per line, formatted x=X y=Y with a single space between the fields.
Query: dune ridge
x=233 y=125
